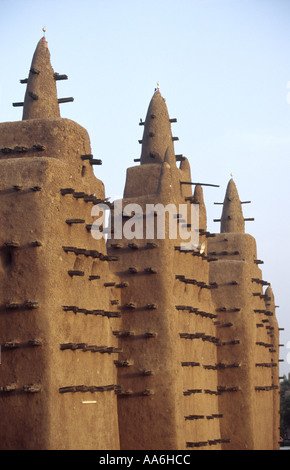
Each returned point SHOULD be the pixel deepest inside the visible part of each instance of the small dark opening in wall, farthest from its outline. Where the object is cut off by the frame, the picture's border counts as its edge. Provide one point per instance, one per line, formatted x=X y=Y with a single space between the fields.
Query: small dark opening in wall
x=7 y=257
x=83 y=170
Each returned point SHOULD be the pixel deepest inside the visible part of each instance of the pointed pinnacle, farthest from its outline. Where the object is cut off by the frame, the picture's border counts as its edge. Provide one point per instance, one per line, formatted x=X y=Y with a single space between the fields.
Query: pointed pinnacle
x=269 y=293
x=157 y=136
x=232 y=219
x=198 y=199
x=41 y=95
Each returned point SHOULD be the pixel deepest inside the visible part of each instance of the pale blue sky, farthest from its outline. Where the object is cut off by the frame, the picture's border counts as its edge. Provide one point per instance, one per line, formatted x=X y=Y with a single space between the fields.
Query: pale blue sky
x=223 y=67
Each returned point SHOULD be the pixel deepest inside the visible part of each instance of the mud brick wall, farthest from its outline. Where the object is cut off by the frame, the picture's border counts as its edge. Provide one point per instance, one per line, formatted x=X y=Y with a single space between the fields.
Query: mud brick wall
x=249 y=375
x=199 y=342
x=57 y=317
x=273 y=332
x=167 y=369
x=236 y=329
x=128 y=343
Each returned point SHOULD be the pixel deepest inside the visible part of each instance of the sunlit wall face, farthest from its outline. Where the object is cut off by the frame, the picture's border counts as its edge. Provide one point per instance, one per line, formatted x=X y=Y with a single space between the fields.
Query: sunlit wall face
x=224 y=69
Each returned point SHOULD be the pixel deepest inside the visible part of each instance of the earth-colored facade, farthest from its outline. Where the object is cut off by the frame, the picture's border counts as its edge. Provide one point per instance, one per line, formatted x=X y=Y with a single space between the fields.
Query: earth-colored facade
x=135 y=343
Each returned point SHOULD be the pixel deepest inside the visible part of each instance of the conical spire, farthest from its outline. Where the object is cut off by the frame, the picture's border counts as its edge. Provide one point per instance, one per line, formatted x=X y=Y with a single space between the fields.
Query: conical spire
x=198 y=199
x=41 y=95
x=232 y=216
x=157 y=136
x=270 y=301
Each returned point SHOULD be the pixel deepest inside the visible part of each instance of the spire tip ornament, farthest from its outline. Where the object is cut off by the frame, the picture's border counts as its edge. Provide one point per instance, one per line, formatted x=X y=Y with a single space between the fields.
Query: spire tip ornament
x=158 y=87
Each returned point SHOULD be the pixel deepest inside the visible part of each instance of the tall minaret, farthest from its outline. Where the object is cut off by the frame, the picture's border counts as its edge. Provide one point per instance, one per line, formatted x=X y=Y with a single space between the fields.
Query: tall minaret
x=232 y=216
x=41 y=94
x=167 y=368
x=245 y=385
x=58 y=381
x=157 y=136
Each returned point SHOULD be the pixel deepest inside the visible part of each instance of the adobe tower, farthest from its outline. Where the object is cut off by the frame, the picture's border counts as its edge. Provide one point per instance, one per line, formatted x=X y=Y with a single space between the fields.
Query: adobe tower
x=161 y=338
x=248 y=331
x=167 y=367
x=58 y=379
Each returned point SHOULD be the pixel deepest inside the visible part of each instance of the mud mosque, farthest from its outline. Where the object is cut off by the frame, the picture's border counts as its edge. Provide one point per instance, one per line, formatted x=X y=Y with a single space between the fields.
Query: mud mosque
x=124 y=344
